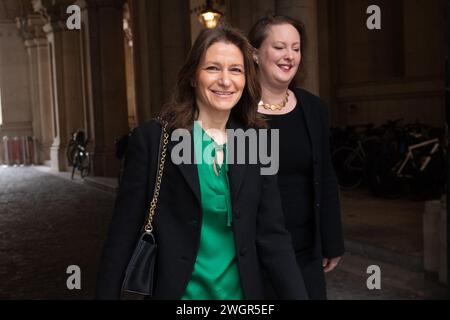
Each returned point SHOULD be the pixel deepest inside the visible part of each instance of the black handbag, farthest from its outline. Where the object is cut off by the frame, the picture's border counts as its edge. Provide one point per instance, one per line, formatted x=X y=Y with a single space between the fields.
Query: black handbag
x=140 y=273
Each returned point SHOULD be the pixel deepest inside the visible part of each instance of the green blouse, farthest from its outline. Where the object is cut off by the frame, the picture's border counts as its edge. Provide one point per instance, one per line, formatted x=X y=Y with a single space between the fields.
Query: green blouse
x=215 y=275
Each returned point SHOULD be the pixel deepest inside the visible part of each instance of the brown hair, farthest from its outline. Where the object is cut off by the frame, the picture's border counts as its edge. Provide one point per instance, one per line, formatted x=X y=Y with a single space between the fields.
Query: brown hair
x=258 y=33
x=181 y=111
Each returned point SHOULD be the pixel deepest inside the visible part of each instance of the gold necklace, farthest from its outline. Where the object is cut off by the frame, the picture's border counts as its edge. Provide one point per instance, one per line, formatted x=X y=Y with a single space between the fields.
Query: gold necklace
x=275 y=107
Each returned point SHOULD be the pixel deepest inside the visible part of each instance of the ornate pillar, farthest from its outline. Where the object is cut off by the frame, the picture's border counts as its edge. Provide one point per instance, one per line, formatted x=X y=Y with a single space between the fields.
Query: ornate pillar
x=40 y=93
x=66 y=87
x=45 y=97
x=305 y=11
x=27 y=35
x=104 y=76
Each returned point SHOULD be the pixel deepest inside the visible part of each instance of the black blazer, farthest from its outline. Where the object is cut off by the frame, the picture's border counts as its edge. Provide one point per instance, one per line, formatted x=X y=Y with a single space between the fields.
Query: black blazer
x=260 y=236
x=329 y=237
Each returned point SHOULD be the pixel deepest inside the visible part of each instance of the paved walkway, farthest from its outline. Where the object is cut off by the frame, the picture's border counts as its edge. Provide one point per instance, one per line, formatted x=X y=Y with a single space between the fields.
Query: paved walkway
x=349 y=282
x=391 y=224
x=48 y=222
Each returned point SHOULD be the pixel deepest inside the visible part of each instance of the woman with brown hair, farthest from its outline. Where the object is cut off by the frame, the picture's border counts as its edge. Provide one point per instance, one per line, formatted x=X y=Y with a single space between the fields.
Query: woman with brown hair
x=218 y=223
x=307 y=182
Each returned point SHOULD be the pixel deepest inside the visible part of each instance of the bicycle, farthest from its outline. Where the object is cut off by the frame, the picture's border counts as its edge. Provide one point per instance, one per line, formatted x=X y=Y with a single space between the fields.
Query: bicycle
x=77 y=154
x=394 y=140
x=350 y=160
x=424 y=168
x=421 y=168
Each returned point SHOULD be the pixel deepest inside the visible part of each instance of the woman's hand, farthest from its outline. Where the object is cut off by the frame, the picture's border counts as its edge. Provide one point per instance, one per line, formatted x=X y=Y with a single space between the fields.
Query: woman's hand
x=330 y=264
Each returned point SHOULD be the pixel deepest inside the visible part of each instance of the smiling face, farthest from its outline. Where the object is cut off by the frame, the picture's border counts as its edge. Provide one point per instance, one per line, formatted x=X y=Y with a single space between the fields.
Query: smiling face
x=220 y=78
x=279 y=55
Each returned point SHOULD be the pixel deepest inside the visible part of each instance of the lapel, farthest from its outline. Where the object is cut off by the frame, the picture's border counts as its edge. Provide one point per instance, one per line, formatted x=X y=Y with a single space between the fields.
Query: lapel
x=312 y=124
x=188 y=170
x=236 y=172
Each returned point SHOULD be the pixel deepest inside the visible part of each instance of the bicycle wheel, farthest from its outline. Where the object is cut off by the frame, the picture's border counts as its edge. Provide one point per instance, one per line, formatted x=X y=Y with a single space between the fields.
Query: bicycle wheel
x=74 y=166
x=85 y=166
x=70 y=153
x=349 y=167
x=382 y=180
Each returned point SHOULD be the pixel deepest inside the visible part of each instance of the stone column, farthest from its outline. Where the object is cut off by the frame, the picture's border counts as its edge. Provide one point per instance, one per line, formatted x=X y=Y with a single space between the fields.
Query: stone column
x=160 y=48
x=175 y=42
x=147 y=47
x=129 y=68
x=45 y=98
x=261 y=8
x=104 y=76
x=243 y=14
x=16 y=110
x=40 y=94
x=28 y=35
x=67 y=110
x=327 y=59
x=305 y=11
x=239 y=14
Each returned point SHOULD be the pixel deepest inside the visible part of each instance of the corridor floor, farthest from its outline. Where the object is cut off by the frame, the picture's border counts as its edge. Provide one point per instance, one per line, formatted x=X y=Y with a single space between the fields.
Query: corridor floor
x=48 y=223
x=390 y=224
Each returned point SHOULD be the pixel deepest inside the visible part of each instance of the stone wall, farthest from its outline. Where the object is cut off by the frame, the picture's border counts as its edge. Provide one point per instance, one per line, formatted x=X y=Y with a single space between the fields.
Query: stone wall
x=14 y=84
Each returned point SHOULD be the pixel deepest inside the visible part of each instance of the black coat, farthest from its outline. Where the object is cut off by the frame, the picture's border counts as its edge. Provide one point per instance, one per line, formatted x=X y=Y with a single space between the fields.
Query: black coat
x=329 y=237
x=260 y=236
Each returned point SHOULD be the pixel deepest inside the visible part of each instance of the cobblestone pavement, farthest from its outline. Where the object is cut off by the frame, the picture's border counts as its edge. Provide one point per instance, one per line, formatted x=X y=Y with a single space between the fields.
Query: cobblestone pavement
x=349 y=282
x=48 y=223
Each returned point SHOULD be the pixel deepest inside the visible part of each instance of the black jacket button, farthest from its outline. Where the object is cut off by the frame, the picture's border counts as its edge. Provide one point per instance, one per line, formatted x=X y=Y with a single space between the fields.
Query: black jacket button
x=243 y=251
x=237 y=214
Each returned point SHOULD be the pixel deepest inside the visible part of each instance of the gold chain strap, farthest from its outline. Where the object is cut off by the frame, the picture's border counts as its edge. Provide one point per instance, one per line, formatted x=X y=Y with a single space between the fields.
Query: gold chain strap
x=151 y=212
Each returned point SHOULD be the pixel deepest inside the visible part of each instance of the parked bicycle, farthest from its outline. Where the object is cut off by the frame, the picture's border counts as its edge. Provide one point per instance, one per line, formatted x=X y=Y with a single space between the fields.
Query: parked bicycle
x=350 y=159
x=393 y=159
x=394 y=139
x=77 y=154
x=420 y=171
